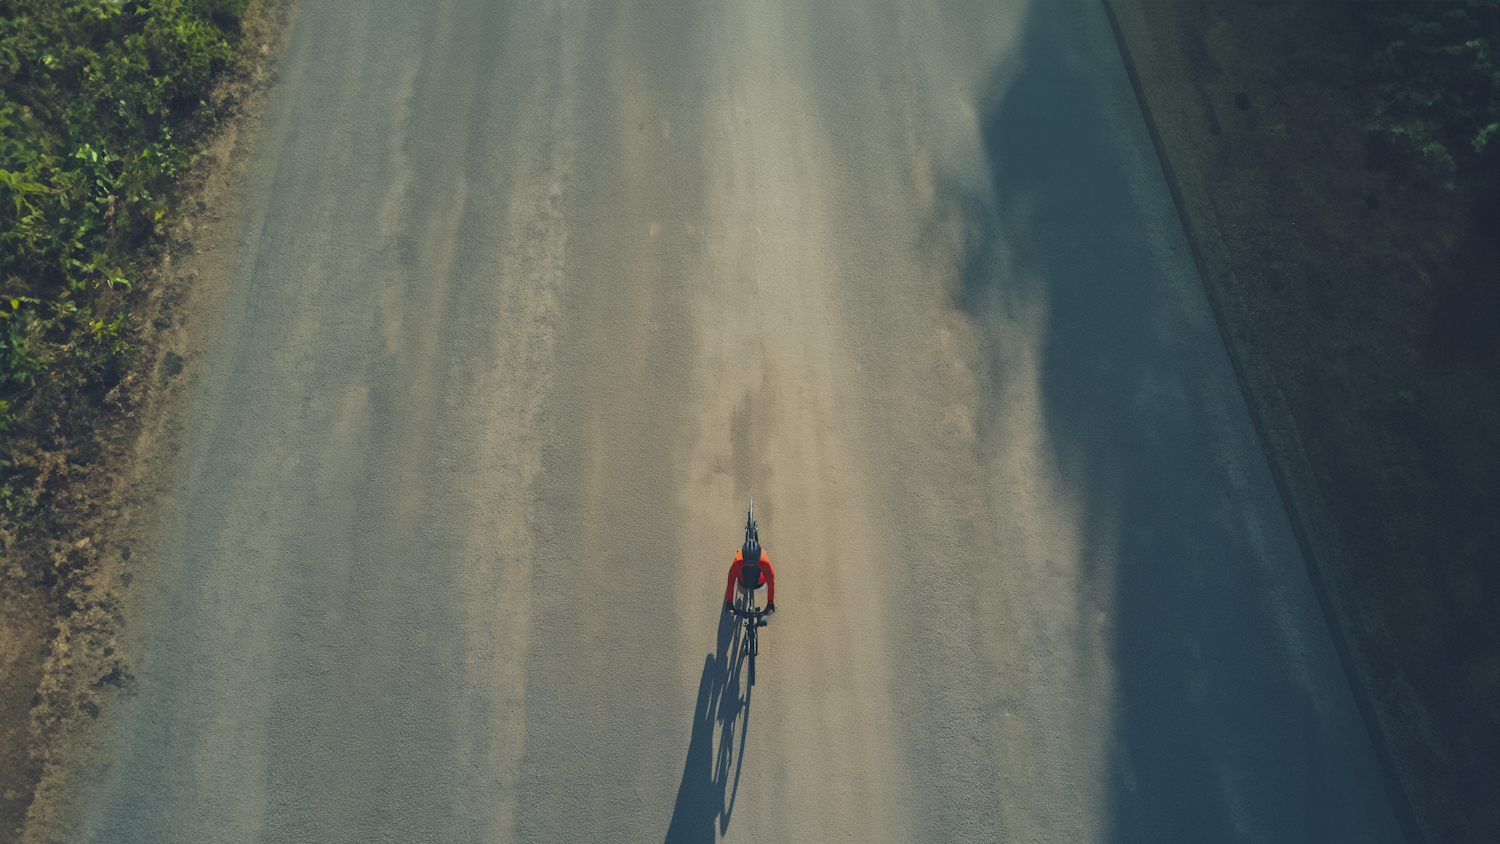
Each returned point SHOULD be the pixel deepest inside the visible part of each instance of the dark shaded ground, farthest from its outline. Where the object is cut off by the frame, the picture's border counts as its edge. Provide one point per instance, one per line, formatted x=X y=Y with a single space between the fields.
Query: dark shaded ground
x=24 y=644
x=710 y=777
x=1358 y=298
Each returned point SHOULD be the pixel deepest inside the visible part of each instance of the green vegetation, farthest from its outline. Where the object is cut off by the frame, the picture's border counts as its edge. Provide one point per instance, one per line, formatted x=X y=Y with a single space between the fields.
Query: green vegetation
x=101 y=102
x=1439 y=81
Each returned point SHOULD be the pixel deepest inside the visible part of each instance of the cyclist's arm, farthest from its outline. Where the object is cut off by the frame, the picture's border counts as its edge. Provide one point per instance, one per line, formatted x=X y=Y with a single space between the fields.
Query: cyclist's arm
x=734 y=573
x=765 y=563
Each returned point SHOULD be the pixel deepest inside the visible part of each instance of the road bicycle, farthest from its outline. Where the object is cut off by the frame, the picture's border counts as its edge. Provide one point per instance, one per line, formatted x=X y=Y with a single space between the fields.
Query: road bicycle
x=754 y=619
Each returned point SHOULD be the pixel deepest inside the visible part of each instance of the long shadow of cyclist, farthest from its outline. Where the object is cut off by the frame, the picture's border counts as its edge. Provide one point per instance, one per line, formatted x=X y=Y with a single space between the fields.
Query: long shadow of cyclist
x=707 y=792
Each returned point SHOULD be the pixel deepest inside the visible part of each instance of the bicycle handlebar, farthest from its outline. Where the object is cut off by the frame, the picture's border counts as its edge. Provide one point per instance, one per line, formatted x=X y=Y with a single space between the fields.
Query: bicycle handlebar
x=747 y=613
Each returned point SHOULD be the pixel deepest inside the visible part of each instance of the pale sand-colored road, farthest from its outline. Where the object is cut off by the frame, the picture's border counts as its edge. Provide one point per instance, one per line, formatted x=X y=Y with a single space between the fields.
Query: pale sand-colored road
x=535 y=297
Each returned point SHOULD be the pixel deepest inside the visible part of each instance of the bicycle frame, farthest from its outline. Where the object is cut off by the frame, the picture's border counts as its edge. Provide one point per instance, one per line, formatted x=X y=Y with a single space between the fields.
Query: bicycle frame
x=753 y=618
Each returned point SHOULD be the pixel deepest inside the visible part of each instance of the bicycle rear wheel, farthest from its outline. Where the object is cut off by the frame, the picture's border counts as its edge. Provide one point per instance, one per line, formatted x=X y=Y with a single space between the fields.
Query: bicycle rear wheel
x=752 y=645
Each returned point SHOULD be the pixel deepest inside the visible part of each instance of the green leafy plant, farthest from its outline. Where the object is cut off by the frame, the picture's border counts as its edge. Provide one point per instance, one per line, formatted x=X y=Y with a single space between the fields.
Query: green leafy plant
x=1438 y=77
x=101 y=102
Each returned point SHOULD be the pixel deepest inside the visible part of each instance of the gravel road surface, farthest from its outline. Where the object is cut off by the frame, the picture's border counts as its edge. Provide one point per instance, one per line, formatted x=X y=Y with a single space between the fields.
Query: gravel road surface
x=534 y=297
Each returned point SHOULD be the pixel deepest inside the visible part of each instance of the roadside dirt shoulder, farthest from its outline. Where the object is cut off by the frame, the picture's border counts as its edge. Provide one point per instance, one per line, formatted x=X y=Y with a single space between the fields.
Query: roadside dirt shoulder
x=1358 y=303
x=65 y=651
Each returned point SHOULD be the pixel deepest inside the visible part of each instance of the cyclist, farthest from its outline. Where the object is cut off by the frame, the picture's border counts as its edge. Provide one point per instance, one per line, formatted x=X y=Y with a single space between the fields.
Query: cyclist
x=751 y=569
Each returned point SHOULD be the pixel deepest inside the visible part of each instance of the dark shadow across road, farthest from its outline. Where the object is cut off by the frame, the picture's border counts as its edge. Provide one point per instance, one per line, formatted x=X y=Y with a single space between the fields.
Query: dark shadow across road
x=1216 y=737
x=705 y=798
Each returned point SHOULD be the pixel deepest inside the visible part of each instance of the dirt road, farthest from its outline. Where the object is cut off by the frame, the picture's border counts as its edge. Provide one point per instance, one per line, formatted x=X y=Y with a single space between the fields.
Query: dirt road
x=535 y=297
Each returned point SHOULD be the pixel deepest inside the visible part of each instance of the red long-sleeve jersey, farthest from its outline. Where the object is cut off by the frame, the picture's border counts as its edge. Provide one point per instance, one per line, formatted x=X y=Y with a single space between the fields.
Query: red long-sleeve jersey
x=767 y=576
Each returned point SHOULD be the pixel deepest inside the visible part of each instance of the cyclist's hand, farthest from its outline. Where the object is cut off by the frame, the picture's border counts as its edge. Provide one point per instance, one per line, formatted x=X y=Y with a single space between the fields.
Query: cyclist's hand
x=771 y=608
x=728 y=607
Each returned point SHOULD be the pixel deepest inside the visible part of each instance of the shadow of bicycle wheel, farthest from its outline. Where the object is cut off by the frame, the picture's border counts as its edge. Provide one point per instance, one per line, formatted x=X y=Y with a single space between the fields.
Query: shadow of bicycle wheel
x=721 y=720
